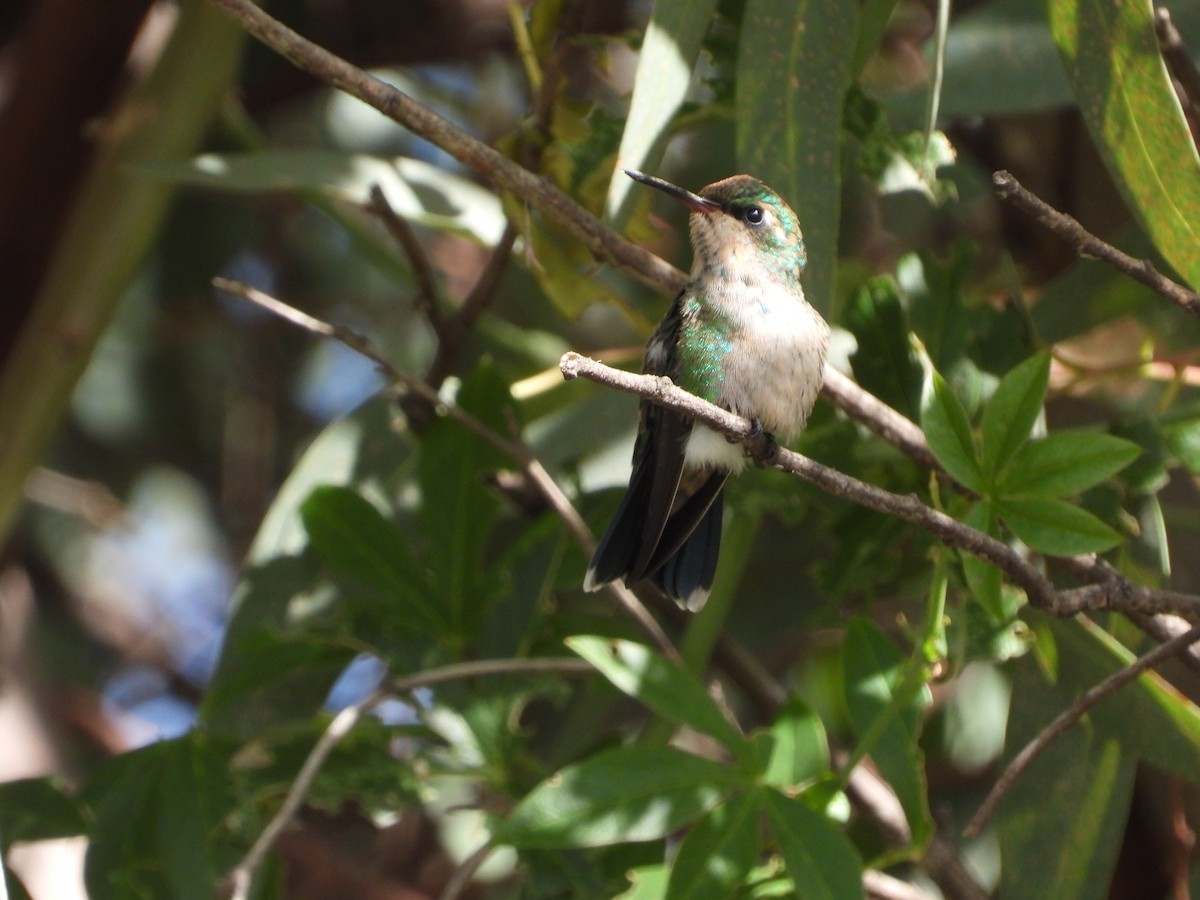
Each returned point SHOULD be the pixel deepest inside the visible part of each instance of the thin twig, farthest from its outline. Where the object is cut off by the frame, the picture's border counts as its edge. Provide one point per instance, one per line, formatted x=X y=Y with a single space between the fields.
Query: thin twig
x=464 y=873
x=605 y=243
x=1087 y=244
x=1179 y=61
x=238 y=882
x=515 y=449
x=1068 y=717
x=403 y=234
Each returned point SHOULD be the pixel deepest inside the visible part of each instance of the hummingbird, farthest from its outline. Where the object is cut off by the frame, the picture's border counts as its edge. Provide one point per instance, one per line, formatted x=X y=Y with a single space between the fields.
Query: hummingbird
x=740 y=335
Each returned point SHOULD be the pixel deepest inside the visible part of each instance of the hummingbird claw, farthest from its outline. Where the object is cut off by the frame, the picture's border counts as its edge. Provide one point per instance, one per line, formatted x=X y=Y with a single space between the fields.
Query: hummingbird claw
x=761 y=444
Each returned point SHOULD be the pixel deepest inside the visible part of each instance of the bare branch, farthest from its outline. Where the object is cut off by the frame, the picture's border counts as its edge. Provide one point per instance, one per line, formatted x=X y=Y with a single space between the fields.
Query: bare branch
x=1087 y=244
x=1113 y=592
x=238 y=882
x=605 y=243
x=514 y=448
x=1068 y=717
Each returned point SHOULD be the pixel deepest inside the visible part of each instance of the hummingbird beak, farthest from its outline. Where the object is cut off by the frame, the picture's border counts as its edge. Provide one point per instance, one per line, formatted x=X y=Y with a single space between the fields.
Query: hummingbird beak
x=695 y=201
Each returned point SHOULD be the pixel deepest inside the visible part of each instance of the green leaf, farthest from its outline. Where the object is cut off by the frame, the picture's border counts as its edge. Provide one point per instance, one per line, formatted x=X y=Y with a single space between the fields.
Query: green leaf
x=883 y=704
x=1010 y=415
x=946 y=427
x=416 y=190
x=1065 y=817
x=794 y=64
x=38 y=809
x=1055 y=527
x=674 y=693
x=1066 y=463
x=799 y=751
x=982 y=577
x=357 y=542
x=1150 y=717
x=1117 y=73
x=718 y=852
x=458 y=510
x=822 y=862
x=872 y=26
x=280 y=657
x=155 y=809
x=669 y=50
x=884 y=362
x=629 y=794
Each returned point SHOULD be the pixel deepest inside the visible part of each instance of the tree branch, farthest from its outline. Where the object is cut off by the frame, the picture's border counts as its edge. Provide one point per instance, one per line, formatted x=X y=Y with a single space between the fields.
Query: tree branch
x=1115 y=594
x=512 y=447
x=1087 y=244
x=1068 y=717
x=238 y=882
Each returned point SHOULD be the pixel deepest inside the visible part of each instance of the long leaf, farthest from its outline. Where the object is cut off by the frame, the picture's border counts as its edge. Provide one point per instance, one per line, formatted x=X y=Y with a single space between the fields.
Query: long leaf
x=718 y=852
x=1123 y=89
x=1011 y=413
x=794 y=62
x=821 y=861
x=669 y=52
x=630 y=794
x=879 y=701
x=675 y=694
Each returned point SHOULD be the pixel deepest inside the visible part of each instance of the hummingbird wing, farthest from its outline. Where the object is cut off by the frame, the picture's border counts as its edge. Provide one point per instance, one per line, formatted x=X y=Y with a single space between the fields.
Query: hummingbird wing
x=668 y=525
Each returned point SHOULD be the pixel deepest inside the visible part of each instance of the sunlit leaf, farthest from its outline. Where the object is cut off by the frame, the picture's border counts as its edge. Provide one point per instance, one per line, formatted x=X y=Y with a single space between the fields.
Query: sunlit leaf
x=415 y=189
x=675 y=694
x=946 y=427
x=793 y=70
x=1055 y=526
x=822 y=862
x=1124 y=91
x=668 y=55
x=630 y=794
x=799 y=748
x=718 y=851
x=882 y=702
x=1010 y=414
x=1066 y=463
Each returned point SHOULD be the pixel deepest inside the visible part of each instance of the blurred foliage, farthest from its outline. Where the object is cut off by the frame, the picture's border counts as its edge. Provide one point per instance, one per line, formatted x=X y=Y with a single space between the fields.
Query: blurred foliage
x=381 y=545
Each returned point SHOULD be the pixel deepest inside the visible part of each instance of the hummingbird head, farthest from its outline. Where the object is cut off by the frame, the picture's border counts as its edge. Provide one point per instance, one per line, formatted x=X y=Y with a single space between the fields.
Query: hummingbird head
x=740 y=229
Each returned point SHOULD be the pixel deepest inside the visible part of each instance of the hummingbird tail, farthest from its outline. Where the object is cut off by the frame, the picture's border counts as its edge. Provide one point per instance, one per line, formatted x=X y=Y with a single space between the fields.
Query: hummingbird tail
x=687 y=575
x=683 y=559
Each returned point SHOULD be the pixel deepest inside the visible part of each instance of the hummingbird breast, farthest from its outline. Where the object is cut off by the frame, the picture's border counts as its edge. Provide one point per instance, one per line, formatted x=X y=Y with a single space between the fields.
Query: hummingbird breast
x=769 y=366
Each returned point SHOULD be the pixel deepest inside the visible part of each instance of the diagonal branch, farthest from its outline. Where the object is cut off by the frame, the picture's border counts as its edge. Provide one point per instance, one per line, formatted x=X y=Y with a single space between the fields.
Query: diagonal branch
x=1087 y=244
x=516 y=449
x=1115 y=594
x=1072 y=714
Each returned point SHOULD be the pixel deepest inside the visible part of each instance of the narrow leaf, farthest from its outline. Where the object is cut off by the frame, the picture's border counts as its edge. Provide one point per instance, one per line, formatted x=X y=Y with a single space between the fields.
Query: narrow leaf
x=354 y=538
x=669 y=50
x=1066 y=463
x=881 y=702
x=983 y=578
x=675 y=694
x=1010 y=415
x=629 y=794
x=793 y=70
x=1055 y=527
x=415 y=189
x=800 y=750
x=822 y=862
x=1117 y=74
x=718 y=852
x=946 y=427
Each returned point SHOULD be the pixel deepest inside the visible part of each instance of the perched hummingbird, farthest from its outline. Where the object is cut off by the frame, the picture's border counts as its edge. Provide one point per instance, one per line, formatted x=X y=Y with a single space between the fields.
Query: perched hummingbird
x=740 y=335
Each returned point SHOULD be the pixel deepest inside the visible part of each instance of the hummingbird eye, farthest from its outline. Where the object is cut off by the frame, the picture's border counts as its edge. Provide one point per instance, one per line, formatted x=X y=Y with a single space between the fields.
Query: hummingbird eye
x=753 y=215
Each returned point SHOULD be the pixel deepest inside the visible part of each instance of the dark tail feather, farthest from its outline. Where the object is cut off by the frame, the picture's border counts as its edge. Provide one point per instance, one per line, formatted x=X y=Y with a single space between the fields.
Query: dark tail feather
x=621 y=542
x=687 y=575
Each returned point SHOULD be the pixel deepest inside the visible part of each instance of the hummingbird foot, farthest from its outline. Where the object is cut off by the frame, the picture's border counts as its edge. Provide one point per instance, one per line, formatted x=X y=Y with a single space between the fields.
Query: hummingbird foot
x=761 y=445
